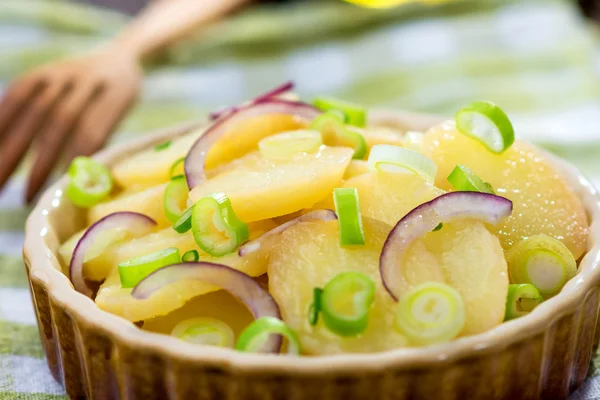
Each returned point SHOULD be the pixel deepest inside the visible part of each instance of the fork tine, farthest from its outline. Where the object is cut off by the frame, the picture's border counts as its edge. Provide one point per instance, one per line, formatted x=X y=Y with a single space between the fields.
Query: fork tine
x=21 y=133
x=94 y=128
x=15 y=98
x=51 y=139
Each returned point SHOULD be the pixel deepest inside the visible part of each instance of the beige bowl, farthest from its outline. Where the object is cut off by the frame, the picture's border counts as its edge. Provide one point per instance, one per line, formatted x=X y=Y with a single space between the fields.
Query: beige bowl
x=95 y=354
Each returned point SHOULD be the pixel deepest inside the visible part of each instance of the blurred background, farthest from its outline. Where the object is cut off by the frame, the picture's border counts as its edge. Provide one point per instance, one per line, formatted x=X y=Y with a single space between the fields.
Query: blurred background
x=538 y=59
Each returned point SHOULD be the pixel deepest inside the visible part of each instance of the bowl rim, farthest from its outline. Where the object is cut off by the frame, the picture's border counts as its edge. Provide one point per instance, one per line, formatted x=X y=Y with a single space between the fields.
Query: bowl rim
x=44 y=267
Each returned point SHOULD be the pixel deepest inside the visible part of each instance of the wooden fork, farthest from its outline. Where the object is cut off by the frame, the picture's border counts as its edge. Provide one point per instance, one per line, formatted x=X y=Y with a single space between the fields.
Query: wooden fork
x=74 y=105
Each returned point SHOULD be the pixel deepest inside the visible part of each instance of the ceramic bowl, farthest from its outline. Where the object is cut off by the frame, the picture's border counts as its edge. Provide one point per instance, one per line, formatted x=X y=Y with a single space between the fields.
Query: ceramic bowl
x=101 y=356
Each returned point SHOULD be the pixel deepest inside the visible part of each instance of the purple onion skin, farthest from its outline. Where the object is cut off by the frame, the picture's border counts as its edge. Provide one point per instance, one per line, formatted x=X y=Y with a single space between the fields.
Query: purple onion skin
x=492 y=209
x=258 y=300
x=316 y=215
x=110 y=221
x=278 y=90
x=196 y=157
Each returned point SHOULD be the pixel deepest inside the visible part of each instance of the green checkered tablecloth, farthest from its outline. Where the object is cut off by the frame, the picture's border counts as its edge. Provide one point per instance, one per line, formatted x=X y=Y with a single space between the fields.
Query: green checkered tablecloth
x=536 y=58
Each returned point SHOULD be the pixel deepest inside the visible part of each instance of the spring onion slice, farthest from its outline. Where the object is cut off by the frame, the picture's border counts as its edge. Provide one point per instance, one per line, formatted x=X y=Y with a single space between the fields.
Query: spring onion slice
x=346 y=301
x=190 y=256
x=206 y=331
x=355 y=115
x=389 y=158
x=347 y=209
x=335 y=132
x=162 y=146
x=216 y=228
x=285 y=145
x=413 y=141
x=257 y=333
x=89 y=182
x=463 y=179
x=184 y=223
x=542 y=261
x=175 y=198
x=521 y=300
x=315 y=307
x=177 y=168
x=487 y=123
x=438 y=227
x=432 y=312
x=134 y=270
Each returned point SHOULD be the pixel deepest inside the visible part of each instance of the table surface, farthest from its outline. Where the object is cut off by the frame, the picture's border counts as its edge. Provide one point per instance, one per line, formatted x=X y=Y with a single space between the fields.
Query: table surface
x=536 y=58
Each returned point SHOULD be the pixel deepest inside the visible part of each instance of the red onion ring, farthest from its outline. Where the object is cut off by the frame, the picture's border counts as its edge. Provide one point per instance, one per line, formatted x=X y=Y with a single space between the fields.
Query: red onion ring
x=135 y=223
x=194 y=161
x=486 y=207
x=277 y=91
x=254 y=245
x=246 y=289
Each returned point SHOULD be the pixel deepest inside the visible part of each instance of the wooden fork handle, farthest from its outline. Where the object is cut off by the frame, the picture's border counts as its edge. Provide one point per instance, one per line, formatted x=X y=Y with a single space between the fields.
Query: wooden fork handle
x=165 y=21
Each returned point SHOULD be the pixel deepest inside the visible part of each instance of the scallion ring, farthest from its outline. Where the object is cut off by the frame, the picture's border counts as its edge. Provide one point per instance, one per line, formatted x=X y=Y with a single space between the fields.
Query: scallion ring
x=175 y=198
x=163 y=146
x=389 y=158
x=346 y=301
x=355 y=114
x=177 y=168
x=335 y=132
x=487 y=123
x=216 y=228
x=134 y=270
x=347 y=209
x=206 y=331
x=542 y=261
x=89 y=182
x=315 y=307
x=184 y=223
x=190 y=256
x=464 y=180
x=432 y=312
x=256 y=334
x=522 y=298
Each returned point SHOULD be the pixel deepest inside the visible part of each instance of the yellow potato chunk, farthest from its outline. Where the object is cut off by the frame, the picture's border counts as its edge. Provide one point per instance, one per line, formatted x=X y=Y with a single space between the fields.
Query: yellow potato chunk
x=543 y=200
x=149 y=202
x=243 y=138
x=262 y=189
x=151 y=167
x=308 y=255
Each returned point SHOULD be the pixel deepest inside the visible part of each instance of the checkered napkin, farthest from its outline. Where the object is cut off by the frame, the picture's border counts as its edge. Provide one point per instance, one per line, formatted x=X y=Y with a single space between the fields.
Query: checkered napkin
x=535 y=58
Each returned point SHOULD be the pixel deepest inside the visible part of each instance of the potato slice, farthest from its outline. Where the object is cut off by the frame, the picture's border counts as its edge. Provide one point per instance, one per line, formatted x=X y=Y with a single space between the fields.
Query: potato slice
x=262 y=189
x=150 y=167
x=543 y=200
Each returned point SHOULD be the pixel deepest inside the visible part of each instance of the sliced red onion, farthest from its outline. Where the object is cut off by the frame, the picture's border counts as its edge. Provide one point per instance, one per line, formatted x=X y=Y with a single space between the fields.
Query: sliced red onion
x=245 y=288
x=254 y=245
x=277 y=91
x=194 y=162
x=424 y=218
x=135 y=224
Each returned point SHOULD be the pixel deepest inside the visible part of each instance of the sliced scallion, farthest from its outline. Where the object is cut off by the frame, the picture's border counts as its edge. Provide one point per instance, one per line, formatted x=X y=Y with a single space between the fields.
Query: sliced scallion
x=315 y=307
x=346 y=301
x=542 y=261
x=522 y=298
x=190 y=256
x=335 y=132
x=432 y=312
x=216 y=228
x=175 y=198
x=89 y=182
x=355 y=114
x=177 y=168
x=256 y=334
x=347 y=209
x=206 y=331
x=285 y=145
x=162 y=146
x=389 y=158
x=487 y=123
x=184 y=223
x=464 y=180
x=134 y=270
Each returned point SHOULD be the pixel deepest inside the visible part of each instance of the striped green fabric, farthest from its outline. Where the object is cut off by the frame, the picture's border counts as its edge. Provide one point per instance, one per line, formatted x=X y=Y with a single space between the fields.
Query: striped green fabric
x=536 y=58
